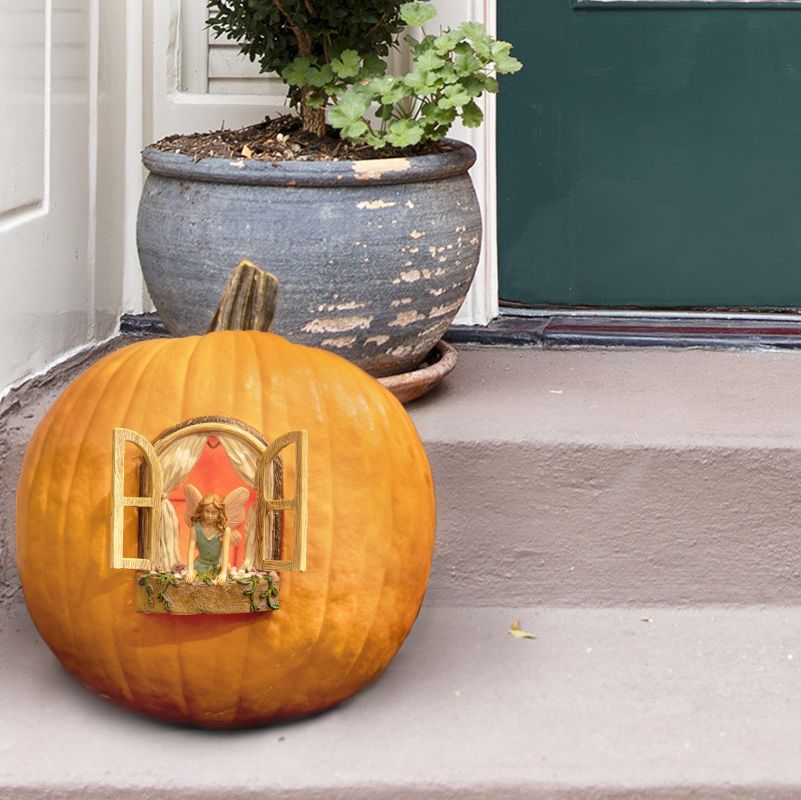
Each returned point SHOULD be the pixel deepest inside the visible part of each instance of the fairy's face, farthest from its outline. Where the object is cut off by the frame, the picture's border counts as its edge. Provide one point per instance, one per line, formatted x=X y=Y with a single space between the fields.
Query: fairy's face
x=210 y=513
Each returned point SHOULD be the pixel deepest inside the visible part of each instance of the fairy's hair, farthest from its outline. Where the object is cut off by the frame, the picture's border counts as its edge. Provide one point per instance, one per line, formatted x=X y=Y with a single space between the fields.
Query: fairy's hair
x=216 y=501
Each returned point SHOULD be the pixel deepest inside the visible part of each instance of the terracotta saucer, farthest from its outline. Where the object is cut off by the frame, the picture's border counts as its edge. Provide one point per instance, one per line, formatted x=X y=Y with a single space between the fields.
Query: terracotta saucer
x=408 y=386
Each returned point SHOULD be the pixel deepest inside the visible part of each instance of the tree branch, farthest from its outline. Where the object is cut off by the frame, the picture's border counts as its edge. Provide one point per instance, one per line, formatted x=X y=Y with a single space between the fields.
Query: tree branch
x=302 y=36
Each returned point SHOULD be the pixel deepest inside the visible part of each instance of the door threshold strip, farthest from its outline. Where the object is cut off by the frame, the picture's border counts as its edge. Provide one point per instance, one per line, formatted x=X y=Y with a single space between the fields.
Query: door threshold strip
x=743 y=332
x=558 y=329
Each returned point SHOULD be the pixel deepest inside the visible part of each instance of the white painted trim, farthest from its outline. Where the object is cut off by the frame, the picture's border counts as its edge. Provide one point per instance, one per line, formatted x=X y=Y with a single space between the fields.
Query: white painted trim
x=133 y=287
x=193 y=48
x=92 y=141
x=481 y=305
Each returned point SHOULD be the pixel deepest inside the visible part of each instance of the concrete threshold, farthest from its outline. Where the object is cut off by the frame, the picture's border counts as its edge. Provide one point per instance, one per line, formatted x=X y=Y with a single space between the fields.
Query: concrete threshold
x=604 y=703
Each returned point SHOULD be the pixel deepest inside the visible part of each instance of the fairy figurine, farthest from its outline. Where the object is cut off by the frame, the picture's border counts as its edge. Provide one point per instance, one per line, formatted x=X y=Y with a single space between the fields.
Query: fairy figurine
x=209 y=518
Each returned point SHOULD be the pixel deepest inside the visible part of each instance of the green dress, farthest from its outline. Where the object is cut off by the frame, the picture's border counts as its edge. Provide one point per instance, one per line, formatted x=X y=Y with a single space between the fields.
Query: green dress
x=209 y=552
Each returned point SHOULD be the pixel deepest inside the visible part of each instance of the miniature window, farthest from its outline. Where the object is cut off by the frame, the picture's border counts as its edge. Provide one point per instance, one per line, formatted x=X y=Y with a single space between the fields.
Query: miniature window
x=203 y=457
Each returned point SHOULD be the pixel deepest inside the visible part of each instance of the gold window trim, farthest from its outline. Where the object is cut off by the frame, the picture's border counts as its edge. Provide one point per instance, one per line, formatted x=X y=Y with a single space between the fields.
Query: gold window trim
x=266 y=484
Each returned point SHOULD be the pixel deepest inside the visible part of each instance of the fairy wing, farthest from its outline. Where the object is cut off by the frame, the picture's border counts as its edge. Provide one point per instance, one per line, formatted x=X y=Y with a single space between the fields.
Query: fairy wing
x=235 y=505
x=192 y=496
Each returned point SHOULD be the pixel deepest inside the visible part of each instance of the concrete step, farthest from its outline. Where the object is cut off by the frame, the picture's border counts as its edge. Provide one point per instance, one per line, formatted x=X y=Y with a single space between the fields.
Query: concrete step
x=604 y=703
x=594 y=476
x=636 y=509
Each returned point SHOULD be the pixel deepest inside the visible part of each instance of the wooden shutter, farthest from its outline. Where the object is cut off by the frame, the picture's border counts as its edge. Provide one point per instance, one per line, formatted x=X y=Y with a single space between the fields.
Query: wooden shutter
x=298 y=504
x=119 y=500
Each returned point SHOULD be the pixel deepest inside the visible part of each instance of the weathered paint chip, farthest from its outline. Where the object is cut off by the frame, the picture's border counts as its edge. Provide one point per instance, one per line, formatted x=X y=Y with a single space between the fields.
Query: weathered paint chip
x=405 y=318
x=440 y=311
x=337 y=324
x=372 y=205
x=374 y=168
x=340 y=341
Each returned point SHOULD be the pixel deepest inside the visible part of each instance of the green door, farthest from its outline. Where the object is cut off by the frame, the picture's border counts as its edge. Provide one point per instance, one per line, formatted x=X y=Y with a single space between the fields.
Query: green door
x=649 y=154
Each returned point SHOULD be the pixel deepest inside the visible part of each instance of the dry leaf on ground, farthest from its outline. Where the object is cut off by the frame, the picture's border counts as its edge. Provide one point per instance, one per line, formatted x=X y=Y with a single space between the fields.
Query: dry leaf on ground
x=518 y=633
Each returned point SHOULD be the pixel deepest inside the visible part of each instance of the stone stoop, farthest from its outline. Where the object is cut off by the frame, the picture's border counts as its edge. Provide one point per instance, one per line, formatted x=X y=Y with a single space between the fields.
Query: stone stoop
x=636 y=510
x=616 y=476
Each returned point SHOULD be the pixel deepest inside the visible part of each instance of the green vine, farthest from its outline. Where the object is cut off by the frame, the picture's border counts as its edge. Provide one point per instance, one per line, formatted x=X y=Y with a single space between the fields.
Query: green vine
x=267 y=596
x=158 y=584
x=164 y=580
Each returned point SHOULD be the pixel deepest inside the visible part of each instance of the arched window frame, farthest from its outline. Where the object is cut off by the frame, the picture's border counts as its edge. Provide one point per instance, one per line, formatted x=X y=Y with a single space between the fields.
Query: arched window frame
x=269 y=485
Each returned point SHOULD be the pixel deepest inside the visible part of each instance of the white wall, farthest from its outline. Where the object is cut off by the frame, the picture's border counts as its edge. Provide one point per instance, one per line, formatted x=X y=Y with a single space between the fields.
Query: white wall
x=61 y=191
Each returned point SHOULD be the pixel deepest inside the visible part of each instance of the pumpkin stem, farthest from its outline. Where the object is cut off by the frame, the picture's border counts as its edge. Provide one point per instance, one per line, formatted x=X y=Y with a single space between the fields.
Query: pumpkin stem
x=248 y=300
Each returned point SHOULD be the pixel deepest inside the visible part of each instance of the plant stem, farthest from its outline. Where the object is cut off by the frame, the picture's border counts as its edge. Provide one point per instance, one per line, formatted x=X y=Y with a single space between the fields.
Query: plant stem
x=313 y=118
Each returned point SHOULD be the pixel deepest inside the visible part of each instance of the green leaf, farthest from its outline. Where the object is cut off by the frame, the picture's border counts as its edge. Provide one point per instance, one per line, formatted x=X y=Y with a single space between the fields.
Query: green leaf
x=394 y=93
x=454 y=95
x=416 y=81
x=489 y=83
x=348 y=112
x=319 y=77
x=500 y=48
x=351 y=106
x=466 y=63
x=473 y=85
x=373 y=65
x=348 y=65
x=428 y=61
x=404 y=132
x=443 y=116
x=472 y=116
x=472 y=30
x=297 y=72
x=417 y=13
x=506 y=64
x=446 y=42
x=316 y=100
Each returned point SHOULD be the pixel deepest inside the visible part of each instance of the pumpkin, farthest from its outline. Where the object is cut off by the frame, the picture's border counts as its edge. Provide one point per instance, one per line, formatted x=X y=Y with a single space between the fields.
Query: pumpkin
x=371 y=521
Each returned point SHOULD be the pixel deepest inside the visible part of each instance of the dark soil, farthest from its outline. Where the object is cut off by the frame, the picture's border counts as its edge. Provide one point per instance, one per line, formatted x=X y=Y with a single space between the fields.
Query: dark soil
x=281 y=139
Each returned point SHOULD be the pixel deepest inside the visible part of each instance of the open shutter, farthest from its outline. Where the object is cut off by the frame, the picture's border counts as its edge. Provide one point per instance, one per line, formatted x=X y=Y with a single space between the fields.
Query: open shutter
x=119 y=500
x=298 y=504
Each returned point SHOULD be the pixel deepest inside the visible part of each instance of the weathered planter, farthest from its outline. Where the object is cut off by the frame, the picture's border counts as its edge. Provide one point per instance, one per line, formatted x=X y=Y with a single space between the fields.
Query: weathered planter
x=374 y=257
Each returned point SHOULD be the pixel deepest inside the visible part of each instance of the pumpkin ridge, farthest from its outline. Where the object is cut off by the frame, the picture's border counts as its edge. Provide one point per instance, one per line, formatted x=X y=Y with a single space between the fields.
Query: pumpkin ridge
x=321 y=412
x=168 y=354
x=85 y=390
x=319 y=366
x=251 y=339
x=144 y=367
x=388 y=546
x=368 y=628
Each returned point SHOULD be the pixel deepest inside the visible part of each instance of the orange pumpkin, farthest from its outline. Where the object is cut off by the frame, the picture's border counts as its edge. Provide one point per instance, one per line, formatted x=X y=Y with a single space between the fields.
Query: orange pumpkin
x=371 y=523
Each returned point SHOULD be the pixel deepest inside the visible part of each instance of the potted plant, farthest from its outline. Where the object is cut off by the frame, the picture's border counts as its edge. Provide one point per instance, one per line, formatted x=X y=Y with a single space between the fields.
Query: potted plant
x=359 y=204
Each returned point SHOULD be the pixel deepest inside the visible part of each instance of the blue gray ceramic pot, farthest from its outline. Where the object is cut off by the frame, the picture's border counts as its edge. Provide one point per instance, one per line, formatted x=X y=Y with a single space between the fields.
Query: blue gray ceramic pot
x=374 y=257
